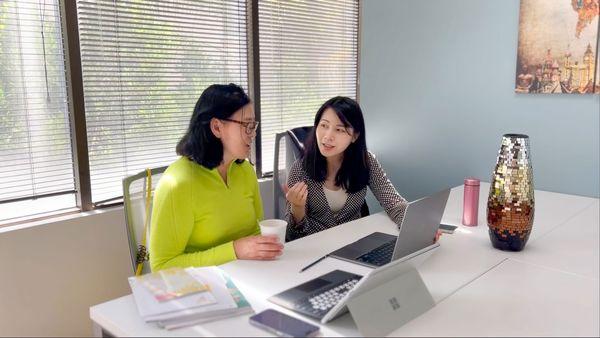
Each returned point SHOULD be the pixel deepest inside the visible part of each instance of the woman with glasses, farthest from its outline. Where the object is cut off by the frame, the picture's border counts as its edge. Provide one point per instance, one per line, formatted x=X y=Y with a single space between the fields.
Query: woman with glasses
x=328 y=185
x=207 y=204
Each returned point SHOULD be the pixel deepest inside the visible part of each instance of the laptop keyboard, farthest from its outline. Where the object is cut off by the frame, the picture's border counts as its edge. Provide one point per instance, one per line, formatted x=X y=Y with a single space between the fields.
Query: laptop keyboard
x=381 y=255
x=318 y=304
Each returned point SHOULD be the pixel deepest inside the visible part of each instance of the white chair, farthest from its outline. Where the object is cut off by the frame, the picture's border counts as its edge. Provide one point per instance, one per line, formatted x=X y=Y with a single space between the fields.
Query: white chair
x=138 y=210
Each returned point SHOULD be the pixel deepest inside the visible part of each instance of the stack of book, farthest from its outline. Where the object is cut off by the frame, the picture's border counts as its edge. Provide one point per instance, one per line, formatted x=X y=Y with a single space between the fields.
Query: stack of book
x=178 y=297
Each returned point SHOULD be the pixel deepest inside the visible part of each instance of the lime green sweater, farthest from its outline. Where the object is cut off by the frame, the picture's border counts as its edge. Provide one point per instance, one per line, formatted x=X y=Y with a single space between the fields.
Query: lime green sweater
x=196 y=216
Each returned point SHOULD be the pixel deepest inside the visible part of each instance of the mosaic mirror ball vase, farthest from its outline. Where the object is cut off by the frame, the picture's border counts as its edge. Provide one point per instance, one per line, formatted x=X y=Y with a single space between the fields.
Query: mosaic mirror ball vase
x=511 y=205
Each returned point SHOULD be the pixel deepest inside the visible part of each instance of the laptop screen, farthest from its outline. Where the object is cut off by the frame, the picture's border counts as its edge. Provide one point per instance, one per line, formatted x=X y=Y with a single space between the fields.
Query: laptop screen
x=420 y=223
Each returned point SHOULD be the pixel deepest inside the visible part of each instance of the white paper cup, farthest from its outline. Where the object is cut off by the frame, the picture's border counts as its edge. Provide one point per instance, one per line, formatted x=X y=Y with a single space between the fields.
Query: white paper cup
x=274 y=227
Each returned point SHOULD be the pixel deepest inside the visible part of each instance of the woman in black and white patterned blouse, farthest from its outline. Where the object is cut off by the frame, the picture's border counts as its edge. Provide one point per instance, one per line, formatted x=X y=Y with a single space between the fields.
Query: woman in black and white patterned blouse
x=328 y=185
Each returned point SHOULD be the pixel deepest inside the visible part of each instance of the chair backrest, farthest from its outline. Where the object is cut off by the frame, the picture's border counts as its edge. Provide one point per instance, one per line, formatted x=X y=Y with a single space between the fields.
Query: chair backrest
x=134 y=201
x=294 y=148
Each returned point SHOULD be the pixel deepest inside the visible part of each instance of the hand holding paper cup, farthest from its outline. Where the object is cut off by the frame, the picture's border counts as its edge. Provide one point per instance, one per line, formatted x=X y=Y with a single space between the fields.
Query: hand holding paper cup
x=274 y=227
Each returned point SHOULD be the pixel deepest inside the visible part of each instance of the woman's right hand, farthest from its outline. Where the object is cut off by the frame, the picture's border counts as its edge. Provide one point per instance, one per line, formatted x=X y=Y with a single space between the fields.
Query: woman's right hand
x=297 y=194
x=258 y=247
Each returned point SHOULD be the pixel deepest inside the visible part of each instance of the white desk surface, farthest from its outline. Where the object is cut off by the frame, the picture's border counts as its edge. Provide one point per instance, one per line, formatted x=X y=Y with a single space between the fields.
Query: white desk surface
x=515 y=299
x=462 y=259
x=572 y=247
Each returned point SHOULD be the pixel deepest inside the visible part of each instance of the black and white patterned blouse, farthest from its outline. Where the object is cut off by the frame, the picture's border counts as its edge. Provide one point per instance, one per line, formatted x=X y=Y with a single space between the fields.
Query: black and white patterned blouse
x=318 y=213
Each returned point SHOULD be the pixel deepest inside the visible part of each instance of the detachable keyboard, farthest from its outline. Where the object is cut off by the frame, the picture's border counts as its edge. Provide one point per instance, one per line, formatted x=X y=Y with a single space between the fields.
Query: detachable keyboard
x=319 y=303
x=381 y=255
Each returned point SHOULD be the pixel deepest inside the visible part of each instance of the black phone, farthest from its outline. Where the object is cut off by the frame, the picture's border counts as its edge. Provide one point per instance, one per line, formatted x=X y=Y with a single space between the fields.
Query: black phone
x=447 y=228
x=283 y=325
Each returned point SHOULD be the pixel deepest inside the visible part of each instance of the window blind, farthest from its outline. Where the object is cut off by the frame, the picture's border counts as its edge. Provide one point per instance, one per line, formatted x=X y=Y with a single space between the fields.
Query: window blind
x=308 y=54
x=35 y=145
x=144 y=65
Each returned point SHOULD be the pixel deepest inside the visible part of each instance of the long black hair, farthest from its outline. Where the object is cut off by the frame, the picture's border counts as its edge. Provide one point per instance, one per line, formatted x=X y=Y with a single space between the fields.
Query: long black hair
x=199 y=144
x=353 y=175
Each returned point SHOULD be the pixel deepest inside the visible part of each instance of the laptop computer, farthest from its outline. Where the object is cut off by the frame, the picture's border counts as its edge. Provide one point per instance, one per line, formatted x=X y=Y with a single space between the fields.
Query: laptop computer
x=326 y=297
x=417 y=231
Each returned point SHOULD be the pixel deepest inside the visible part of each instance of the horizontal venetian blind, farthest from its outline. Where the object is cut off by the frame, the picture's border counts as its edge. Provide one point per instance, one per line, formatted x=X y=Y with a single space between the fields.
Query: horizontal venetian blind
x=145 y=63
x=35 y=143
x=308 y=54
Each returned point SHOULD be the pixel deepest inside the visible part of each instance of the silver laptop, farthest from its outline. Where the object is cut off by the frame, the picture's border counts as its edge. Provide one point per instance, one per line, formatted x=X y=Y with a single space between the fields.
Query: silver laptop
x=327 y=296
x=417 y=231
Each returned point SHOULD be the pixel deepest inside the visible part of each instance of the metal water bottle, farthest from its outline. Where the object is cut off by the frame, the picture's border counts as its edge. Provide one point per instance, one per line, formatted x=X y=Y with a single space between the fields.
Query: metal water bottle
x=470 y=201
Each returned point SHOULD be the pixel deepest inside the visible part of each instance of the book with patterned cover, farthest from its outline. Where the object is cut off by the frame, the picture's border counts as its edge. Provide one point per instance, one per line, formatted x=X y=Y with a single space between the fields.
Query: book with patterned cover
x=172 y=283
x=235 y=293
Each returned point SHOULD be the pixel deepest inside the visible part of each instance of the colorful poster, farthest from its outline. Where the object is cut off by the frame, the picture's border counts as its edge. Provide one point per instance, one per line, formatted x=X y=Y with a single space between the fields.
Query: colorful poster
x=558 y=47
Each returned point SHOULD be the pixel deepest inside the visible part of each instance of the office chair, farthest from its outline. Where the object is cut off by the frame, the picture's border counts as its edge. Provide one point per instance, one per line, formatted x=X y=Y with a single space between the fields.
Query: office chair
x=294 y=149
x=138 y=210
x=294 y=145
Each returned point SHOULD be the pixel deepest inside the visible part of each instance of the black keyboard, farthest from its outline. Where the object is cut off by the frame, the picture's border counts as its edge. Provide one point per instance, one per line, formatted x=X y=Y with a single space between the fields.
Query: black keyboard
x=319 y=303
x=381 y=255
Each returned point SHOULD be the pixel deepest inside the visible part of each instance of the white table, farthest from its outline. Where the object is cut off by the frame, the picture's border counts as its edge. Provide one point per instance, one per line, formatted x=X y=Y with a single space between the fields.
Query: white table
x=472 y=283
x=515 y=298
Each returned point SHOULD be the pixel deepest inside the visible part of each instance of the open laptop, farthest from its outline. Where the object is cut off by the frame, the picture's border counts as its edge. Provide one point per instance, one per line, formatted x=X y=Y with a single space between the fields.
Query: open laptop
x=327 y=297
x=417 y=231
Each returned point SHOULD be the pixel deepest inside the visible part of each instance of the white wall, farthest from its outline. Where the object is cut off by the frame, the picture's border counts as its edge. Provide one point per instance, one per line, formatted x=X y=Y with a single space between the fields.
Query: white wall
x=51 y=273
x=437 y=90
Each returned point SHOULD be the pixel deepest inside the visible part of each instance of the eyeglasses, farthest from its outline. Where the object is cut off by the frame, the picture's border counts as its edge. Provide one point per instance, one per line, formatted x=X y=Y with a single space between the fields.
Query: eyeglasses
x=250 y=127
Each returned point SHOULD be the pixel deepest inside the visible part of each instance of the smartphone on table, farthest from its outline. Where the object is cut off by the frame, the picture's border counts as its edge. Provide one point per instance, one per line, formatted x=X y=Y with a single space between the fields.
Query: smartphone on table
x=447 y=228
x=283 y=325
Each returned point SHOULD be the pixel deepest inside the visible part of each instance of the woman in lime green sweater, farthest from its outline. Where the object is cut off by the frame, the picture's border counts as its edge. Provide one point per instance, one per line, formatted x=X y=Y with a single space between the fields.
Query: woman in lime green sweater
x=207 y=203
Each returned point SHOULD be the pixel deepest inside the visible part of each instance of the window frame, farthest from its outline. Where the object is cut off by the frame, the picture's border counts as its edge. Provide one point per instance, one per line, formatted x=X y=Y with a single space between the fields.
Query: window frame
x=77 y=116
x=77 y=105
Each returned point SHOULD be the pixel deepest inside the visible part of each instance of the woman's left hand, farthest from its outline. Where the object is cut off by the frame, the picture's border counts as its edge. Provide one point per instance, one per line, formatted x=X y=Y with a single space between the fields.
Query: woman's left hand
x=438 y=234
